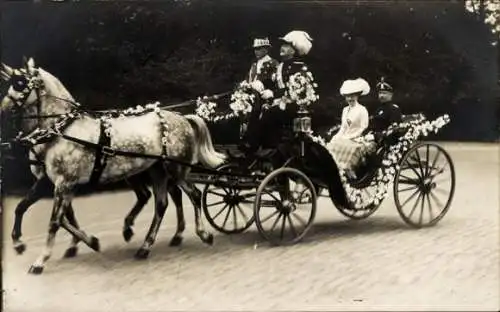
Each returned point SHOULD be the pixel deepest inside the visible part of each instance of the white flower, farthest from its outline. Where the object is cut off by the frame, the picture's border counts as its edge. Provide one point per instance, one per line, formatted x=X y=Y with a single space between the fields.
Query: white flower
x=258 y=86
x=267 y=94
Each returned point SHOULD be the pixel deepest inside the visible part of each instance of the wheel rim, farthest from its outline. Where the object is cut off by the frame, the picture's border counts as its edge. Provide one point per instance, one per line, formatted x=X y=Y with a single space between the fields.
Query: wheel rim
x=424 y=186
x=284 y=212
x=229 y=210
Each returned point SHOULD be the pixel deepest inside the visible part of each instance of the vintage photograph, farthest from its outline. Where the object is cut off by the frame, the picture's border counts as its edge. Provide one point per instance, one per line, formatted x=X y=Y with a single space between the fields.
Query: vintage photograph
x=250 y=155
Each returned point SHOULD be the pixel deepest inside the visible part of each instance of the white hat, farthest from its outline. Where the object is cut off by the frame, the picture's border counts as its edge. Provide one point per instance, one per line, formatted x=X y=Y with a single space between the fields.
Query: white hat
x=300 y=40
x=257 y=43
x=355 y=86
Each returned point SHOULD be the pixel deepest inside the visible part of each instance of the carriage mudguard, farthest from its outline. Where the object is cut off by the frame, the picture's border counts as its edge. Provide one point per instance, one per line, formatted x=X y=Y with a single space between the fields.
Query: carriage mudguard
x=322 y=167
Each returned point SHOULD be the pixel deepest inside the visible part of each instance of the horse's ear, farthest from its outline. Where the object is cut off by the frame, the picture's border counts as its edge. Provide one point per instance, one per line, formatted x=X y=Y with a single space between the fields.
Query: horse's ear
x=30 y=65
x=6 y=72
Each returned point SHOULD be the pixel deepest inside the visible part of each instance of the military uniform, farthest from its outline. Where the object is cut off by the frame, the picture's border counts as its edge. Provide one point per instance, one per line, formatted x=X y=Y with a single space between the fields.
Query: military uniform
x=275 y=122
x=386 y=114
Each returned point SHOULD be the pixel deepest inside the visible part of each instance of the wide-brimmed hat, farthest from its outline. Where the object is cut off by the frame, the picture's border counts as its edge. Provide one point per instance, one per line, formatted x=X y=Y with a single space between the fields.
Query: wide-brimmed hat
x=300 y=41
x=383 y=86
x=261 y=42
x=354 y=86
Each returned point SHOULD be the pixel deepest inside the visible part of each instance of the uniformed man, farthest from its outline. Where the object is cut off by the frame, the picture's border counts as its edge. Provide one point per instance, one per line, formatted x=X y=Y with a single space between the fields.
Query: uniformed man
x=388 y=112
x=268 y=130
x=264 y=65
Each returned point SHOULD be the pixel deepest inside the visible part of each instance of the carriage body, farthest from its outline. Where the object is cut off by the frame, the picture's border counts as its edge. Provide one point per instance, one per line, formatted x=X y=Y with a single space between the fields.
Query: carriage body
x=307 y=170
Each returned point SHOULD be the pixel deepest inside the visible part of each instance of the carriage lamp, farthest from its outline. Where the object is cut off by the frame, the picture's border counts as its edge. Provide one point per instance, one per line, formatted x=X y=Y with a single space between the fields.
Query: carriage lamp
x=302 y=123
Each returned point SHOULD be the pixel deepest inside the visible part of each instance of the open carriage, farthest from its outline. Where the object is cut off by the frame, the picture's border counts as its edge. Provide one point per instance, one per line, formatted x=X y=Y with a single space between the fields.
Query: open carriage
x=281 y=185
x=280 y=190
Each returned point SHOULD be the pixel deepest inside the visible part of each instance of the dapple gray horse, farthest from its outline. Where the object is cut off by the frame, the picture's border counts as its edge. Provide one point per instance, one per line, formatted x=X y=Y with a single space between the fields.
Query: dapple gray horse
x=68 y=162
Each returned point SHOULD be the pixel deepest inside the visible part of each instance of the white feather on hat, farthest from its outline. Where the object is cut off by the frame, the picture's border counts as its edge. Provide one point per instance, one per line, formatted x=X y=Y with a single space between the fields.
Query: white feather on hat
x=358 y=85
x=300 y=40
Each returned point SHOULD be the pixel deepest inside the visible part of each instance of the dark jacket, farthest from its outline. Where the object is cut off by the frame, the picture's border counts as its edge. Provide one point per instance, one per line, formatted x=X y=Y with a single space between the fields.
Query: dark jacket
x=386 y=114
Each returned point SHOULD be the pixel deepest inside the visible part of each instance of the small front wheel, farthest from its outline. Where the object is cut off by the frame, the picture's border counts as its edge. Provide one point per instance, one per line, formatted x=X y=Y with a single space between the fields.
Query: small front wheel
x=285 y=206
x=228 y=208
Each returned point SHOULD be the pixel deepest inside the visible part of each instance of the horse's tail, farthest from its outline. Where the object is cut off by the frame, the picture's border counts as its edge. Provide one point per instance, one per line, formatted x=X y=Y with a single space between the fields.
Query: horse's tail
x=205 y=149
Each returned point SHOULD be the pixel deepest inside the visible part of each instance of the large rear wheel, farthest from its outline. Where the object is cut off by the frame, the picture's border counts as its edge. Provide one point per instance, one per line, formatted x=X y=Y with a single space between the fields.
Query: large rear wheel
x=425 y=184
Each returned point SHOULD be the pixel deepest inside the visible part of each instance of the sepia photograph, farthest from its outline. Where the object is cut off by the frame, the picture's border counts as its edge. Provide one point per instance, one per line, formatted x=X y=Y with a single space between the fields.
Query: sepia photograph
x=250 y=155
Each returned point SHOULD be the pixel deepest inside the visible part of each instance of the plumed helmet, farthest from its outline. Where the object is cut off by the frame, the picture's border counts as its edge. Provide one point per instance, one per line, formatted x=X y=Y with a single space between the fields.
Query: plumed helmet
x=300 y=40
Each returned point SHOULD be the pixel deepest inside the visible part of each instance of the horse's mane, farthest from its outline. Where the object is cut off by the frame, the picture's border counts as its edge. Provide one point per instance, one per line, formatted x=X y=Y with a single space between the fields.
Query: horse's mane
x=54 y=86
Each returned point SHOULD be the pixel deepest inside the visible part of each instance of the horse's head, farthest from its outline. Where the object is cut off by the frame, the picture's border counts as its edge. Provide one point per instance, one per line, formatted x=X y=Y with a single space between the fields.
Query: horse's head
x=35 y=94
x=25 y=87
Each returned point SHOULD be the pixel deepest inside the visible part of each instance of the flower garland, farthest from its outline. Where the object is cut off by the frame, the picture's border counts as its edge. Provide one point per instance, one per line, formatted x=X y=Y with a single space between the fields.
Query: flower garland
x=390 y=164
x=204 y=108
x=242 y=99
x=301 y=89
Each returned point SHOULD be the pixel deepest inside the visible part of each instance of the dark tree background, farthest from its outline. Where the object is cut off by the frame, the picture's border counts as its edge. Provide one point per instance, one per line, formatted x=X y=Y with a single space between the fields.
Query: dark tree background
x=439 y=58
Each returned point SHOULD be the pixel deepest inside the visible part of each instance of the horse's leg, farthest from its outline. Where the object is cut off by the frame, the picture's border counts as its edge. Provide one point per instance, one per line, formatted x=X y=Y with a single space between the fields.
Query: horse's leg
x=176 y=194
x=33 y=195
x=143 y=194
x=194 y=195
x=63 y=193
x=73 y=248
x=160 y=184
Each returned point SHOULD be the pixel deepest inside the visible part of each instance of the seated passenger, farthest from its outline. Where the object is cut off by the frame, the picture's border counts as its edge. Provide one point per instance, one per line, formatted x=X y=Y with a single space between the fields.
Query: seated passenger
x=388 y=112
x=354 y=115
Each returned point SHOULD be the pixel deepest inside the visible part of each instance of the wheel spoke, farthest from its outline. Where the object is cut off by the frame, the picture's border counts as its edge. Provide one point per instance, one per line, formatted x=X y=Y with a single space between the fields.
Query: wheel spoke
x=215 y=193
x=420 y=164
x=235 y=218
x=276 y=221
x=413 y=169
x=431 y=216
x=292 y=227
x=441 y=180
x=409 y=198
x=282 y=234
x=421 y=218
x=215 y=204
x=441 y=191
x=227 y=217
x=243 y=213
x=220 y=211
x=434 y=160
x=436 y=199
x=299 y=218
x=426 y=160
x=414 y=206
x=408 y=188
x=270 y=216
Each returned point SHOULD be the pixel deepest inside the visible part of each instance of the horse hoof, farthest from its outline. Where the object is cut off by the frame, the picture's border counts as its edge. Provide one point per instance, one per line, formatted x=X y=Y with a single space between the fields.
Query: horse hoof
x=20 y=248
x=209 y=239
x=35 y=270
x=127 y=234
x=141 y=254
x=176 y=241
x=71 y=252
x=94 y=244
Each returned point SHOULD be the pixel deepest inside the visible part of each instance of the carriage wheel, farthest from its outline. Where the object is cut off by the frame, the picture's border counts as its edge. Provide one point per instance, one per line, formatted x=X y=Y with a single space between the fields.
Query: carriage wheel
x=228 y=208
x=284 y=214
x=424 y=185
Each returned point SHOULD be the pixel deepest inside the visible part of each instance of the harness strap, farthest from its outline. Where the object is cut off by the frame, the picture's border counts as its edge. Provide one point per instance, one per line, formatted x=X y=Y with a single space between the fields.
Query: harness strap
x=101 y=156
x=112 y=152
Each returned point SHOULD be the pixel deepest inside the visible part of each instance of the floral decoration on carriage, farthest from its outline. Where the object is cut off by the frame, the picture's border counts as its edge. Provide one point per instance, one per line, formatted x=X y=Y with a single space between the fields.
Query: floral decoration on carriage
x=413 y=130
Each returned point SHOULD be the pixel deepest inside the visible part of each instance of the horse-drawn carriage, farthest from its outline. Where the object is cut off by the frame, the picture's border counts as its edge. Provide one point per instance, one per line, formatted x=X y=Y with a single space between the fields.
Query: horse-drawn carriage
x=281 y=184
x=284 y=211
